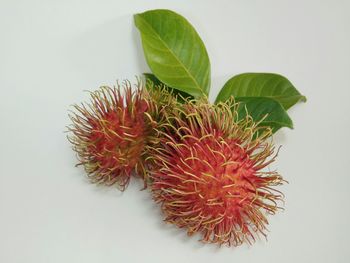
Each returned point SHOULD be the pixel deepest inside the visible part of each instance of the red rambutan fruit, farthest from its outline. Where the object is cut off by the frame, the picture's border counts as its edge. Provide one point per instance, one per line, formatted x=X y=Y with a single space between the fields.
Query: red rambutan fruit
x=209 y=173
x=109 y=134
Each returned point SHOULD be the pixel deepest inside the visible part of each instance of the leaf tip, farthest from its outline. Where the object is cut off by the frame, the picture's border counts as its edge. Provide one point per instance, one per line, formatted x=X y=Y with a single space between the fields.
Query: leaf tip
x=303 y=99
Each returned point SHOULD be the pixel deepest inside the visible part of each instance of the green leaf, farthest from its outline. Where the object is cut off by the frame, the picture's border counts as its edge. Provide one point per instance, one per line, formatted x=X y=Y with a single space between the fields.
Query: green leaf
x=269 y=110
x=158 y=84
x=174 y=51
x=266 y=85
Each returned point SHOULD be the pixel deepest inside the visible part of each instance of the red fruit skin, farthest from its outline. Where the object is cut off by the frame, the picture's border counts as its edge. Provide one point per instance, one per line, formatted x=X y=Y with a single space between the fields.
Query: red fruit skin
x=109 y=135
x=212 y=183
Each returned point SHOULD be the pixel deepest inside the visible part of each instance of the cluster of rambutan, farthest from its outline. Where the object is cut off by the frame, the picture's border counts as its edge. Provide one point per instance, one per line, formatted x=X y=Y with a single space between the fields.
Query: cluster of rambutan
x=203 y=164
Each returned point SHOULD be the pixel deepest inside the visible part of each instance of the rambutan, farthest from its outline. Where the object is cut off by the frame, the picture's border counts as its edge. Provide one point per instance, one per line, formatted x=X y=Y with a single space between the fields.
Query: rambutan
x=209 y=174
x=109 y=134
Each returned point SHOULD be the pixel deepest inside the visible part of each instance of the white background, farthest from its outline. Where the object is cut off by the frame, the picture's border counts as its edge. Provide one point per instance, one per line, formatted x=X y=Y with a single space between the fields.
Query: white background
x=50 y=51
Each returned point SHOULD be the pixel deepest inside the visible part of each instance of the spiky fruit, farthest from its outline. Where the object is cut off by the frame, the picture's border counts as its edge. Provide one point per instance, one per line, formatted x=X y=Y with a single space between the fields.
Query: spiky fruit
x=210 y=177
x=110 y=133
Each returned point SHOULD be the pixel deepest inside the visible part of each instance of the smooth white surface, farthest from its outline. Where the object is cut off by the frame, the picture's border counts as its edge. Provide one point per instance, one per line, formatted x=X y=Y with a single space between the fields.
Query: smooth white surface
x=50 y=51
